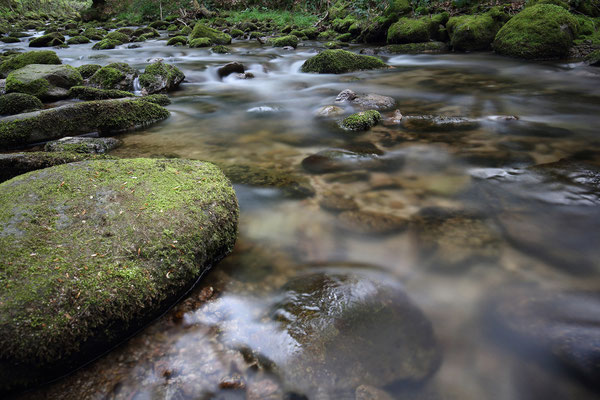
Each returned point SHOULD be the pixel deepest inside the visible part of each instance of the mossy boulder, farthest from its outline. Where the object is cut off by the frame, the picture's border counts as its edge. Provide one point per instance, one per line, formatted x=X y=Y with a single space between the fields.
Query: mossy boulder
x=220 y=49
x=160 y=77
x=543 y=31
x=16 y=103
x=77 y=282
x=593 y=58
x=350 y=329
x=160 y=99
x=90 y=93
x=147 y=32
x=340 y=61
x=88 y=70
x=31 y=57
x=94 y=34
x=48 y=40
x=289 y=40
x=15 y=164
x=105 y=116
x=236 y=33
x=9 y=39
x=216 y=37
x=327 y=35
x=44 y=81
x=472 y=32
x=398 y=8
x=177 y=41
x=416 y=48
x=106 y=44
x=361 y=121
x=119 y=76
x=200 y=42
x=408 y=30
x=159 y=25
x=78 y=40
x=84 y=145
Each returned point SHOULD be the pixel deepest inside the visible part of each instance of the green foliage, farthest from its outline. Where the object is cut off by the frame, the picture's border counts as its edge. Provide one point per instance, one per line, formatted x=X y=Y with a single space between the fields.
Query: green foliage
x=279 y=18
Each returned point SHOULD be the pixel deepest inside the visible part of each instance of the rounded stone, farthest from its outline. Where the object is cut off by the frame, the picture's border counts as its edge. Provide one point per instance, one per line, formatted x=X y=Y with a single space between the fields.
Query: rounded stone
x=93 y=250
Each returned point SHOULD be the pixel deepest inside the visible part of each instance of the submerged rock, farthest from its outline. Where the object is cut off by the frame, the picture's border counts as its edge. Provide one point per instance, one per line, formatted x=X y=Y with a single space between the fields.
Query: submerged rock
x=15 y=164
x=336 y=160
x=83 y=145
x=105 y=116
x=16 y=103
x=339 y=62
x=99 y=250
x=330 y=111
x=427 y=123
x=160 y=77
x=563 y=326
x=231 y=68
x=352 y=330
x=371 y=222
x=46 y=82
x=89 y=93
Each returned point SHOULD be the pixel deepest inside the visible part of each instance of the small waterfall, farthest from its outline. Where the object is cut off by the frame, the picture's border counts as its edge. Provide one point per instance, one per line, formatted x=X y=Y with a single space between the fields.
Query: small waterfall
x=137 y=88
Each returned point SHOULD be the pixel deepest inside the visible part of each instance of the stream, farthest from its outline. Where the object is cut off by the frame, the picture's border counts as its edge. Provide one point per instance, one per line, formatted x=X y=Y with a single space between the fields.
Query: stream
x=456 y=259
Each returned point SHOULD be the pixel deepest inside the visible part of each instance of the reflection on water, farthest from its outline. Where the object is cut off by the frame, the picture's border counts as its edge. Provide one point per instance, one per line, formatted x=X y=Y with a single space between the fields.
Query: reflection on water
x=378 y=264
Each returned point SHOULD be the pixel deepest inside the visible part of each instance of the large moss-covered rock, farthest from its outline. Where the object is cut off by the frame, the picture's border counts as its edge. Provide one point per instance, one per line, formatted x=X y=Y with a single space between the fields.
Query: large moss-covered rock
x=88 y=259
x=43 y=80
x=472 y=32
x=88 y=70
x=31 y=57
x=348 y=330
x=119 y=76
x=398 y=7
x=16 y=103
x=216 y=37
x=78 y=40
x=177 y=41
x=106 y=44
x=340 y=61
x=15 y=164
x=105 y=116
x=93 y=33
x=289 y=40
x=408 y=30
x=83 y=145
x=160 y=77
x=89 y=93
x=544 y=31
x=48 y=40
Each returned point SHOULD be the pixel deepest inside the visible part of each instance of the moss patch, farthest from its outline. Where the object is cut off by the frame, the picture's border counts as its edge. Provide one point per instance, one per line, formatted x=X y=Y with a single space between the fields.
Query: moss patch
x=88 y=70
x=177 y=41
x=16 y=103
x=216 y=37
x=89 y=93
x=339 y=62
x=160 y=77
x=543 y=31
x=361 y=121
x=408 y=30
x=101 y=247
x=289 y=40
x=472 y=32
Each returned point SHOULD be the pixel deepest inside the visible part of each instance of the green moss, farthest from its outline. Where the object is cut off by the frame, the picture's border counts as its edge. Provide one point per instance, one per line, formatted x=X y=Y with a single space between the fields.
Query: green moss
x=146 y=31
x=104 y=116
x=559 y=3
x=539 y=32
x=32 y=57
x=160 y=99
x=236 y=33
x=203 y=31
x=339 y=62
x=472 y=32
x=342 y=25
x=16 y=103
x=408 y=30
x=220 y=49
x=200 y=42
x=106 y=44
x=107 y=77
x=172 y=28
x=160 y=77
x=89 y=93
x=88 y=70
x=361 y=121
x=441 y=18
x=416 y=48
x=78 y=40
x=117 y=37
x=93 y=33
x=9 y=39
x=51 y=39
x=310 y=33
x=587 y=7
x=289 y=40
x=159 y=25
x=327 y=35
x=593 y=58
x=43 y=80
x=177 y=41
x=73 y=280
x=398 y=8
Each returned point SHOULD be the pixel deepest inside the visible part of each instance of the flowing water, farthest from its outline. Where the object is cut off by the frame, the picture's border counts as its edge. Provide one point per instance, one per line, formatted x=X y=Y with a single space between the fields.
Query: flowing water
x=478 y=238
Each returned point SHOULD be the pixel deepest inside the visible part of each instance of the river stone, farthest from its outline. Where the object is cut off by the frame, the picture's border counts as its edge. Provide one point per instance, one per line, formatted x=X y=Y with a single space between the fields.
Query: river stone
x=160 y=77
x=431 y=123
x=104 y=116
x=371 y=222
x=14 y=164
x=16 y=103
x=93 y=250
x=369 y=101
x=83 y=145
x=351 y=330
x=46 y=81
x=119 y=76
x=329 y=111
x=336 y=160
x=339 y=62
x=230 y=68
x=563 y=325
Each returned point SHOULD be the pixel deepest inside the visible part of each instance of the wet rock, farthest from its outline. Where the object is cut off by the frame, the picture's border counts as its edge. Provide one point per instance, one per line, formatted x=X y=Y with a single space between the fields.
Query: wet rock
x=119 y=76
x=369 y=101
x=455 y=239
x=232 y=67
x=31 y=57
x=330 y=111
x=16 y=103
x=48 y=40
x=352 y=330
x=88 y=70
x=361 y=121
x=118 y=256
x=336 y=160
x=83 y=145
x=215 y=36
x=47 y=82
x=103 y=116
x=562 y=326
x=160 y=77
x=15 y=164
x=371 y=222
x=345 y=95
x=89 y=93
x=430 y=123
x=285 y=41
x=339 y=62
